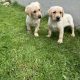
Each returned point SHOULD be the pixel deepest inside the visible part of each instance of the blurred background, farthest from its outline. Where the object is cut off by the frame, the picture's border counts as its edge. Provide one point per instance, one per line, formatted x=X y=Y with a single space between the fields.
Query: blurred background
x=70 y=6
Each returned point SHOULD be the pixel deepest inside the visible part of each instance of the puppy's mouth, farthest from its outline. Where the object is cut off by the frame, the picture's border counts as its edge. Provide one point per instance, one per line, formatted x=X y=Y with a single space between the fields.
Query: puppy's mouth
x=37 y=17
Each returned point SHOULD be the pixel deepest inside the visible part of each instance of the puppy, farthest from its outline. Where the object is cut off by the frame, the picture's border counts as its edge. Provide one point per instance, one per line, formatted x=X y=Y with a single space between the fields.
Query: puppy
x=33 y=17
x=58 y=20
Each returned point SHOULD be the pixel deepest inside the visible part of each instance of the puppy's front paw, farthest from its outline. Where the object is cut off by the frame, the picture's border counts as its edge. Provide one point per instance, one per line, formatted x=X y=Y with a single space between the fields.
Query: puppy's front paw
x=48 y=36
x=60 y=41
x=36 y=34
x=73 y=35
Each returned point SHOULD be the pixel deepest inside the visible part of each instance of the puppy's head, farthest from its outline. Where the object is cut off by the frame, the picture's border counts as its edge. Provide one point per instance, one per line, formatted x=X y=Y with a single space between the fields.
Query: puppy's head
x=34 y=10
x=56 y=13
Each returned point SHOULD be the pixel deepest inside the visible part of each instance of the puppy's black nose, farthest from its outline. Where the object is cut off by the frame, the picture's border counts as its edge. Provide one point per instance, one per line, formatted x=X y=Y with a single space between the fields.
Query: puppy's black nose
x=39 y=16
x=57 y=18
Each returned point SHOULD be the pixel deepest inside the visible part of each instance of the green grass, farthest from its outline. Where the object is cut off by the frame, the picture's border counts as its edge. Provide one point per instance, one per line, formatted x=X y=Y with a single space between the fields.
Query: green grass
x=24 y=57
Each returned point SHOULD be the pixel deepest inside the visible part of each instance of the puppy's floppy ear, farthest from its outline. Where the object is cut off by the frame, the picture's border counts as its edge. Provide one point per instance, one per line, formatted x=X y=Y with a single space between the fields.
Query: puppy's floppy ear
x=28 y=10
x=49 y=11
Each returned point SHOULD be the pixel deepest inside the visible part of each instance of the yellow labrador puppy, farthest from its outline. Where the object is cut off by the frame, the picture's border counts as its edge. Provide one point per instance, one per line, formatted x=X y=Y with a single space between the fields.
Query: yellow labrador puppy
x=33 y=17
x=58 y=20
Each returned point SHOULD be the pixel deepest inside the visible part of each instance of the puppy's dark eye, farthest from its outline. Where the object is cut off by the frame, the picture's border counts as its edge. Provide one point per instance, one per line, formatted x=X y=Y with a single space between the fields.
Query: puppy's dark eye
x=34 y=11
x=54 y=12
x=60 y=12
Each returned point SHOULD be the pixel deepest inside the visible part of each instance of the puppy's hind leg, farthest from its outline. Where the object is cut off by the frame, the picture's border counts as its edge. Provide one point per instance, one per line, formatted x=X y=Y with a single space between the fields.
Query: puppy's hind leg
x=73 y=33
x=72 y=26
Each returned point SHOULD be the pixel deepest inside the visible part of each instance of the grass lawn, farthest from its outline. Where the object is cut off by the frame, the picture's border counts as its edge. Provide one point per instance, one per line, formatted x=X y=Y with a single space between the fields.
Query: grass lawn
x=24 y=57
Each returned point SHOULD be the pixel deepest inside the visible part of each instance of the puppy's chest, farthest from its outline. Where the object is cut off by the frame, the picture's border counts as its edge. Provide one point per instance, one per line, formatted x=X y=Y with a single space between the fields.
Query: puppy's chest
x=34 y=22
x=54 y=26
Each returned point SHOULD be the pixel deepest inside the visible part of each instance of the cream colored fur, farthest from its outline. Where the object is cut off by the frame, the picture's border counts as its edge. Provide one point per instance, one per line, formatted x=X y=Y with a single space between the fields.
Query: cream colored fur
x=33 y=17
x=55 y=13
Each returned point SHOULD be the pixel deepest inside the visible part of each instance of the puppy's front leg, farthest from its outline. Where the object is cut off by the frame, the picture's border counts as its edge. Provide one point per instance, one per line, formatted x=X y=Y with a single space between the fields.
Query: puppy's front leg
x=28 y=29
x=49 y=32
x=61 y=33
x=36 y=31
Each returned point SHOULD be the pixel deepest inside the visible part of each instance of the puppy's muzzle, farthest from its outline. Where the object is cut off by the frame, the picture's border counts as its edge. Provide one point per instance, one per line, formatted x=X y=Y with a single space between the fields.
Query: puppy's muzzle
x=39 y=16
x=57 y=18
